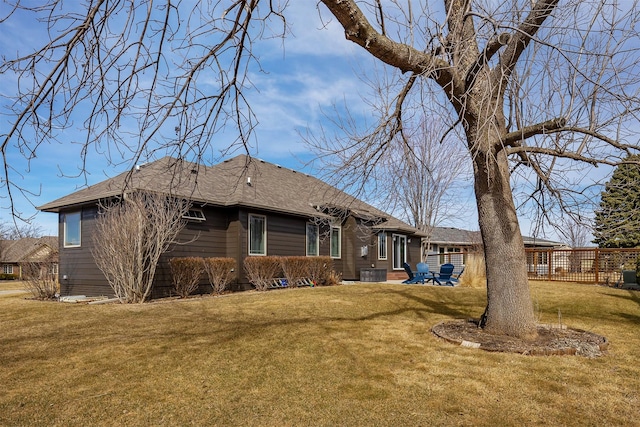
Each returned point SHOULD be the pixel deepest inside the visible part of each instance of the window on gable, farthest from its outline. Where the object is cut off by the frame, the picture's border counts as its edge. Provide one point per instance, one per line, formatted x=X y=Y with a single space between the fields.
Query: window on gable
x=336 y=244
x=72 y=222
x=194 y=215
x=382 y=245
x=313 y=241
x=257 y=235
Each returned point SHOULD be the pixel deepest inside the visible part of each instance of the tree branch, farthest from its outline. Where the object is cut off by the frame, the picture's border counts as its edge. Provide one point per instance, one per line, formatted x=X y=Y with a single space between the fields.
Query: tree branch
x=402 y=56
x=522 y=37
x=514 y=138
x=489 y=51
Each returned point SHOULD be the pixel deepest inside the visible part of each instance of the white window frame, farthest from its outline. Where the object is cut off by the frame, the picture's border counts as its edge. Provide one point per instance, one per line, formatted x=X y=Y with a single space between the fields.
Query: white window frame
x=331 y=240
x=194 y=214
x=396 y=239
x=253 y=252
x=382 y=245
x=7 y=269
x=316 y=236
x=67 y=243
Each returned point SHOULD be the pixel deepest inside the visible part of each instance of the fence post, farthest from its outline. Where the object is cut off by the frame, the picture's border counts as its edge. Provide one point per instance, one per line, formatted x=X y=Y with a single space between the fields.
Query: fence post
x=549 y=263
x=597 y=266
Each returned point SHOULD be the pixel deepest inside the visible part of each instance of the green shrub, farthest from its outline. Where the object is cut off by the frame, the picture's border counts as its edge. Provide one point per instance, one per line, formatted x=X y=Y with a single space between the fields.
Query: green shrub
x=6 y=276
x=185 y=274
x=220 y=271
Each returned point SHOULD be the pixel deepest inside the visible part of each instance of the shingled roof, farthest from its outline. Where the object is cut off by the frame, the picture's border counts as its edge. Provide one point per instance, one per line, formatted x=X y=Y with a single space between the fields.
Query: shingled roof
x=29 y=249
x=454 y=236
x=240 y=181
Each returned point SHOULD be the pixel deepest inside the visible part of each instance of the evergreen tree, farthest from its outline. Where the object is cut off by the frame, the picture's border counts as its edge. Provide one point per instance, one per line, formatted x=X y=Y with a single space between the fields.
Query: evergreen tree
x=617 y=221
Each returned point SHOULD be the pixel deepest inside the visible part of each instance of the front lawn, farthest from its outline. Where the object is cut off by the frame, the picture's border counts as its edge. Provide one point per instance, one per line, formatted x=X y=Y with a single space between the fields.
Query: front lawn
x=353 y=355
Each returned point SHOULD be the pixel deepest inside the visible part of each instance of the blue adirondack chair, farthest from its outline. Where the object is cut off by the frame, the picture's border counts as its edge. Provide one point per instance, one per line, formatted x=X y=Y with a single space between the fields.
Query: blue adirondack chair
x=413 y=277
x=423 y=270
x=446 y=271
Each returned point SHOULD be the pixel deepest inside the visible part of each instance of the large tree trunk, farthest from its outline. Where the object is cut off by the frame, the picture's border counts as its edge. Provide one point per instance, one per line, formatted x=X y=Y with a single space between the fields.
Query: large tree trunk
x=509 y=308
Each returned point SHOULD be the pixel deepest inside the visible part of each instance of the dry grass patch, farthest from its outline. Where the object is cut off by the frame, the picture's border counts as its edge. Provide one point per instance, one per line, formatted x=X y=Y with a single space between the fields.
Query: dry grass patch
x=348 y=355
x=474 y=275
x=10 y=285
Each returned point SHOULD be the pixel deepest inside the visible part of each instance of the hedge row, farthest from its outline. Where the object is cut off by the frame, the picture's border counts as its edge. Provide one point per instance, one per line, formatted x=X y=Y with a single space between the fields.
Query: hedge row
x=186 y=273
x=262 y=271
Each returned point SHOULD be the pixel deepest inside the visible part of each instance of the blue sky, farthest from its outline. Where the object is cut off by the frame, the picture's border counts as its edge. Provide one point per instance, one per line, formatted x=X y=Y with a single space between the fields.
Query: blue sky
x=315 y=70
x=312 y=71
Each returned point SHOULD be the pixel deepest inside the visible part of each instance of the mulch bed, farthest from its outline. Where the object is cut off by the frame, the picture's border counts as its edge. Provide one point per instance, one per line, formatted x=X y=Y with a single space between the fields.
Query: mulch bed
x=551 y=340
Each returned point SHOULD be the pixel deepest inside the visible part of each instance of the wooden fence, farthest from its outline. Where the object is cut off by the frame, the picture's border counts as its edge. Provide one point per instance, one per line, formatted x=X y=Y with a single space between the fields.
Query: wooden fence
x=589 y=265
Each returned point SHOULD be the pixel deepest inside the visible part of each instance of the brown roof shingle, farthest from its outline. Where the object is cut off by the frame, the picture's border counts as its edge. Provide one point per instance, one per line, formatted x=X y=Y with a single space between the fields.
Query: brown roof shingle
x=28 y=249
x=240 y=181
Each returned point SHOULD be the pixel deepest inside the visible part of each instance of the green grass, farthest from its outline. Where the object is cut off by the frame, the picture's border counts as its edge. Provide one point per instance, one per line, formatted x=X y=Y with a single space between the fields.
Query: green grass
x=349 y=355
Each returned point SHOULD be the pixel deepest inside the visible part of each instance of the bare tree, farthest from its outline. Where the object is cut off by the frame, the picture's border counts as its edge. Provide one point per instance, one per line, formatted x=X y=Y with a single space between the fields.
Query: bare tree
x=575 y=231
x=530 y=85
x=15 y=230
x=131 y=235
x=40 y=276
x=418 y=179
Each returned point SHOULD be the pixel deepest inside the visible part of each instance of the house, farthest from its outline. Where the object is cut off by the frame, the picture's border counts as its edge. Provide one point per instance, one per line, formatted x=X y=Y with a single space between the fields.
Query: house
x=448 y=244
x=541 y=252
x=451 y=245
x=15 y=254
x=241 y=207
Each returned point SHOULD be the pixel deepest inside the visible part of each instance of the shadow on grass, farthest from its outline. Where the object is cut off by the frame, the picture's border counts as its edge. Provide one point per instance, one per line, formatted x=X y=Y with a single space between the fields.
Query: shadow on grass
x=628 y=295
x=409 y=305
x=193 y=325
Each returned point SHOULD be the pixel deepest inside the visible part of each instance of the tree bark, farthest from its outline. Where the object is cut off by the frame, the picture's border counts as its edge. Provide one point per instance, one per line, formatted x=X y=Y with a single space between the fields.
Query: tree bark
x=509 y=308
x=477 y=94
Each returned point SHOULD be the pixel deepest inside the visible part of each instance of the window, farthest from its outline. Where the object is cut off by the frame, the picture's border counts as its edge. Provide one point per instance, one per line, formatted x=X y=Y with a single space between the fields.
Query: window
x=7 y=269
x=312 y=240
x=399 y=251
x=194 y=215
x=257 y=235
x=382 y=245
x=336 y=244
x=72 y=229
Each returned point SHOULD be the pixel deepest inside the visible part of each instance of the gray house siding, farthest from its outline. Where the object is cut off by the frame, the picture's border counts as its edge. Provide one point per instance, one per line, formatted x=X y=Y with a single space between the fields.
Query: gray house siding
x=224 y=233
x=78 y=272
x=203 y=239
x=413 y=254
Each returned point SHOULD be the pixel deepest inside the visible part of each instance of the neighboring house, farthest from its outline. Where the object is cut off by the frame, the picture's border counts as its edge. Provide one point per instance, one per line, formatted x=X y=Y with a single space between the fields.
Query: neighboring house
x=241 y=207
x=539 y=251
x=14 y=254
x=448 y=244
